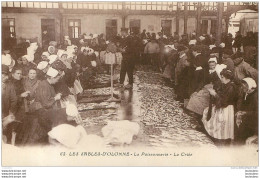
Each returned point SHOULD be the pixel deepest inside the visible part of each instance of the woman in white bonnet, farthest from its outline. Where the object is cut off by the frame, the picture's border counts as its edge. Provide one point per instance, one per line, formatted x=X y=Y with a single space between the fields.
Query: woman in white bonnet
x=246 y=127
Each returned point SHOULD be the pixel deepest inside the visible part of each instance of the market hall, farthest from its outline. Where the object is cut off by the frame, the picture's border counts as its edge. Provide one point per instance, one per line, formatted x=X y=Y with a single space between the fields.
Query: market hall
x=155 y=74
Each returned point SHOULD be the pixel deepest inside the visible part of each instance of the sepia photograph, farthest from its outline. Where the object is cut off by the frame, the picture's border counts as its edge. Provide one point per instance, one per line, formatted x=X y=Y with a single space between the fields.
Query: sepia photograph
x=131 y=83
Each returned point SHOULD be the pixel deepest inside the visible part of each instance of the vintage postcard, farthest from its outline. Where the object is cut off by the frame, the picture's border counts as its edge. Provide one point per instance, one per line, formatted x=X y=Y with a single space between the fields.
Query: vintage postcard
x=132 y=83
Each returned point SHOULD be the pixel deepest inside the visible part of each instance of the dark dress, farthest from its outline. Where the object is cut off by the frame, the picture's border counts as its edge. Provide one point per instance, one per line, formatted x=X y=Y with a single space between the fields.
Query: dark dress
x=249 y=125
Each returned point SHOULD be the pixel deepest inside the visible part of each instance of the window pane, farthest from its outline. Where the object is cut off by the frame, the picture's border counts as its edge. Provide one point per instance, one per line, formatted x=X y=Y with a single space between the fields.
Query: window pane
x=138 y=7
x=4 y=4
x=49 y=5
x=16 y=4
x=95 y=6
x=70 y=5
x=90 y=6
x=76 y=32
x=23 y=4
x=153 y=7
x=105 y=6
x=120 y=6
x=30 y=4
x=74 y=6
x=12 y=29
x=110 y=6
x=114 y=6
x=85 y=6
x=80 y=6
x=71 y=23
x=10 y=4
x=65 y=5
x=164 y=7
x=43 y=5
x=11 y=23
x=55 y=5
x=36 y=4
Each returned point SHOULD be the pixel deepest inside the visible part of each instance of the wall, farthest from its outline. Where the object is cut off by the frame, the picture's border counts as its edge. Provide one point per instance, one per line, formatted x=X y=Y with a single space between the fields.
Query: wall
x=92 y=23
x=28 y=25
x=155 y=21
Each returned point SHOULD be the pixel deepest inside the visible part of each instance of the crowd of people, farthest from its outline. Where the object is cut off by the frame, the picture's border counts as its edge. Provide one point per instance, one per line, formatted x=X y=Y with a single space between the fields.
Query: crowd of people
x=41 y=85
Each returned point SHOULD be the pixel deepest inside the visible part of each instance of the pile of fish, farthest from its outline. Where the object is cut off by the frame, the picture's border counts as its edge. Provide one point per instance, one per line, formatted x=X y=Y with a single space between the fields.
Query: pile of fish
x=164 y=120
x=99 y=91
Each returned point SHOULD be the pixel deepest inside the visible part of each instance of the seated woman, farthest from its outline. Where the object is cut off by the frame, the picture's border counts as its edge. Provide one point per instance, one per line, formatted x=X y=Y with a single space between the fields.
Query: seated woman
x=247 y=115
x=201 y=99
x=220 y=126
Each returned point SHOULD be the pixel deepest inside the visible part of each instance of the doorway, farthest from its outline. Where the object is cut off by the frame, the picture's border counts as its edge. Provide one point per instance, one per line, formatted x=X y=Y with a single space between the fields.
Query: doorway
x=48 y=31
x=135 y=26
x=166 y=27
x=111 y=28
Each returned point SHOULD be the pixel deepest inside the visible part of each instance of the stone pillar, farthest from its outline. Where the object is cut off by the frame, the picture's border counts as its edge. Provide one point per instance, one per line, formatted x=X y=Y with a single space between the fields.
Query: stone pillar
x=219 y=22
x=198 y=30
x=185 y=17
x=177 y=18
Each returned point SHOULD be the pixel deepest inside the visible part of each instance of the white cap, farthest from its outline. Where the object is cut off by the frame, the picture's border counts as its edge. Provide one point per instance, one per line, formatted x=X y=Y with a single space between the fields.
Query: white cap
x=107 y=42
x=250 y=82
x=222 y=45
x=81 y=41
x=61 y=52
x=192 y=42
x=87 y=37
x=52 y=58
x=71 y=110
x=90 y=51
x=52 y=72
x=42 y=65
x=82 y=48
x=202 y=38
x=96 y=53
x=30 y=57
x=45 y=54
x=95 y=35
x=171 y=46
x=212 y=46
x=6 y=59
x=213 y=59
x=219 y=68
x=164 y=36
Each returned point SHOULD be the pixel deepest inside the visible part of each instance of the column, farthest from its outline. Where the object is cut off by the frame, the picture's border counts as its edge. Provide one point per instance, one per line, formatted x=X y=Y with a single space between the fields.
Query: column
x=198 y=31
x=185 y=17
x=123 y=14
x=61 y=22
x=219 y=22
x=177 y=17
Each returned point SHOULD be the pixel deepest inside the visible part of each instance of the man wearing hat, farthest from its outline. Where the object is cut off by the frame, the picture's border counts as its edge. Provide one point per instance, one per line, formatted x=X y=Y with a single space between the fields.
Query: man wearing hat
x=130 y=45
x=199 y=65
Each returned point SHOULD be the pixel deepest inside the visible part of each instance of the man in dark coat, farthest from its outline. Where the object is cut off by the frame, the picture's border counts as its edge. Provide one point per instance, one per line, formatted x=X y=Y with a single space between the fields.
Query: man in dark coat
x=131 y=49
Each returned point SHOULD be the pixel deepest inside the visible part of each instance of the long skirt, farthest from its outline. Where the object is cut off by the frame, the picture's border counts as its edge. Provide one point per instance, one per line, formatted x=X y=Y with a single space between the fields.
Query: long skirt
x=221 y=123
x=32 y=132
x=200 y=100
